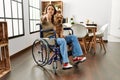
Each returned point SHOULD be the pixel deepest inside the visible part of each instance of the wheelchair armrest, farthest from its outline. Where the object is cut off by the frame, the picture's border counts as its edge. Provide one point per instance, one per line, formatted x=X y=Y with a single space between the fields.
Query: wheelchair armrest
x=67 y=28
x=49 y=30
x=46 y=30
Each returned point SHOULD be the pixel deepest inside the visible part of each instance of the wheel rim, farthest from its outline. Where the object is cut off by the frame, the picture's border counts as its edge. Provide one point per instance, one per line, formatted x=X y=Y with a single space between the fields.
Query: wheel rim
x=40 y=52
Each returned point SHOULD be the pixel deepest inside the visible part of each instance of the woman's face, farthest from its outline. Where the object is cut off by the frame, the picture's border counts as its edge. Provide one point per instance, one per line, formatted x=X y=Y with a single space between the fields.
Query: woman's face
x=50 y=10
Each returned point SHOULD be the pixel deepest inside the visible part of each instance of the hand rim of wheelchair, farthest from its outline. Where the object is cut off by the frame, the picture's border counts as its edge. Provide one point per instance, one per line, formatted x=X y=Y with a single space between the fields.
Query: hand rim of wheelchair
x=43 y=60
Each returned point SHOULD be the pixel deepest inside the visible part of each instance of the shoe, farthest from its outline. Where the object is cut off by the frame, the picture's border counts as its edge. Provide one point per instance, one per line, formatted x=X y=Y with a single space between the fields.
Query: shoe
x=82 y=59
x=67 y=66
x=79 y=59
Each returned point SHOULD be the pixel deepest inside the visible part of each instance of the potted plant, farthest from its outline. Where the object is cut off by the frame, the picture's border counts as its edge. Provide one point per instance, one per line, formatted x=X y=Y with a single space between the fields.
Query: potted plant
x=72 y=21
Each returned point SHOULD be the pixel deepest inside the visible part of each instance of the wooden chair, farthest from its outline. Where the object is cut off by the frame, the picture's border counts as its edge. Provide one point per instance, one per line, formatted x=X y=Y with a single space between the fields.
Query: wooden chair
x=99 y=36
x=81 y=32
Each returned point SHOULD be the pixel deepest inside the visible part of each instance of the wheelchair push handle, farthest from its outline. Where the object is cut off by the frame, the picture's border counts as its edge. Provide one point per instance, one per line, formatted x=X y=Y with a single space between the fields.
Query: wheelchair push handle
x=38 y=24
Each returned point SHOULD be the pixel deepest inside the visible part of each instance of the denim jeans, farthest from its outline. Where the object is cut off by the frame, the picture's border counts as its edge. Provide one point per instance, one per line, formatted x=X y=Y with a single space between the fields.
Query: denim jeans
x=76 y=48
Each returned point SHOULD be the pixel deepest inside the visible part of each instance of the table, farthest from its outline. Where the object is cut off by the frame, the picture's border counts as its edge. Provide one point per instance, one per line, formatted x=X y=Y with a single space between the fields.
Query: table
x=93 y=28
x=93 y=40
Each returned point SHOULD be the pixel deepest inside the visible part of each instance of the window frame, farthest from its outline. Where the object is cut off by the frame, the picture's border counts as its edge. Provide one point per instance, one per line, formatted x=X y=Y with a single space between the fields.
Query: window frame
x=11 y=18
x=33 y=19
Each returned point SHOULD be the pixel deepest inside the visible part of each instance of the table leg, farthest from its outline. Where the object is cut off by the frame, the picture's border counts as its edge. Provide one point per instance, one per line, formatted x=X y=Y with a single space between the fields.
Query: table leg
x=93 y=41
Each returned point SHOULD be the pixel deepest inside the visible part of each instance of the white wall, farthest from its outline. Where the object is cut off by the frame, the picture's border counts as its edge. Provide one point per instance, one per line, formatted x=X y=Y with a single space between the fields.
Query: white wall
x=20 y=43
x=98 y=11
x=114 y=35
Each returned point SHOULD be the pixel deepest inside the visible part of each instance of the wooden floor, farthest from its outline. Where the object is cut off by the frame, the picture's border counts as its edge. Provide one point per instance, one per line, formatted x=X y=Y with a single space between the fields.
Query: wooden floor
x=99 y=67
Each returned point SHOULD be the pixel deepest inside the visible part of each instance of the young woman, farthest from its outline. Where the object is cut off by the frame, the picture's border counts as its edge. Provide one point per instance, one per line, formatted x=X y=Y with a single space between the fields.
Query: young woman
x=47 y=23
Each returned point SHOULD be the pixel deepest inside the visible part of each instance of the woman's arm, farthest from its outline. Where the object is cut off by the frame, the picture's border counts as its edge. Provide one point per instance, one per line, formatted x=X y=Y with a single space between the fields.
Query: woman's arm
x=43 y=19
x=46 y=18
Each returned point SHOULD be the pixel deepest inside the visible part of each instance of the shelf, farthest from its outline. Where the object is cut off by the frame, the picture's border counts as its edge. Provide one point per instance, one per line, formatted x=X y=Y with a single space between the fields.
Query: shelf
x=5 y=44
x=4 y=72
x=5 y=66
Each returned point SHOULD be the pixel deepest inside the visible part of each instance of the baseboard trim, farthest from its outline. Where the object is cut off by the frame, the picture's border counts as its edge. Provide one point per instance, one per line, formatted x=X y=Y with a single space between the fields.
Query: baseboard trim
x=106 y=41
x=18 y=53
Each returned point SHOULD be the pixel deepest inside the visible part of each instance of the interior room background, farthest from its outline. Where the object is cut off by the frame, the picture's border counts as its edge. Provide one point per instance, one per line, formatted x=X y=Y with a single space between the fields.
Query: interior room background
x=97 y=11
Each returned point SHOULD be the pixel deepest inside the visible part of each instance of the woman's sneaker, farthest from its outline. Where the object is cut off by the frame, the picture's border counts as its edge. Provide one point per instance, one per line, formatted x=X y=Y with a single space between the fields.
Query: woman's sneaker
x=83 y=59
x=79 y=59
x=67 y=66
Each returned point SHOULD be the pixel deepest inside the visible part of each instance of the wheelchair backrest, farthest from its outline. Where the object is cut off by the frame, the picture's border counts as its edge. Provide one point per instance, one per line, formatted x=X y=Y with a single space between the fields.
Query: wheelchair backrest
x=40 y=26
x=54 y=32
x=50 y=41
x=41 y=33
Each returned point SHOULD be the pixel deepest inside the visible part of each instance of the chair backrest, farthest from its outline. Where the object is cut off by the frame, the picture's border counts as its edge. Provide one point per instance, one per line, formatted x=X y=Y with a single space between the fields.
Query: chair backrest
x=79 y=30
x=102 y=29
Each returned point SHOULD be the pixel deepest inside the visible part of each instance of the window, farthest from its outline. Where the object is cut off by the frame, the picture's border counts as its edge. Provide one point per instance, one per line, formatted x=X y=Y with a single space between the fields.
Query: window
x=34 y=15
x=12 y=13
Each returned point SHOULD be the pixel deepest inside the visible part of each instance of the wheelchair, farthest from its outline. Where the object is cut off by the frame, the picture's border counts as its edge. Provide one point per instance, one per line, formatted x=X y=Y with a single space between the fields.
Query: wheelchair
x=42 y=48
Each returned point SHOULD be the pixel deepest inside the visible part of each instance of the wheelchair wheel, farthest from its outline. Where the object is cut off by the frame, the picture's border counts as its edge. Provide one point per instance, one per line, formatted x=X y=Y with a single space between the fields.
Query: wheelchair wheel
x=40 y=52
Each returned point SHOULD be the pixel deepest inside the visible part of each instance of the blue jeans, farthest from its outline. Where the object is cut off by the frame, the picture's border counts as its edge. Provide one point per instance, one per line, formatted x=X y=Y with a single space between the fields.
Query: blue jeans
x=76 y=48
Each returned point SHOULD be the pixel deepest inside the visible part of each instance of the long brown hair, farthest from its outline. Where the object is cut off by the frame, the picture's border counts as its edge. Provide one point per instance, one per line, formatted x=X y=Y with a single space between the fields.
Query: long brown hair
x=54 y=11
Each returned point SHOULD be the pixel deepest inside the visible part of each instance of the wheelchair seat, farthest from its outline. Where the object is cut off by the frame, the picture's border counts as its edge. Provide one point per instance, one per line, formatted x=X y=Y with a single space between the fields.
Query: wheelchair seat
x=50 y=41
